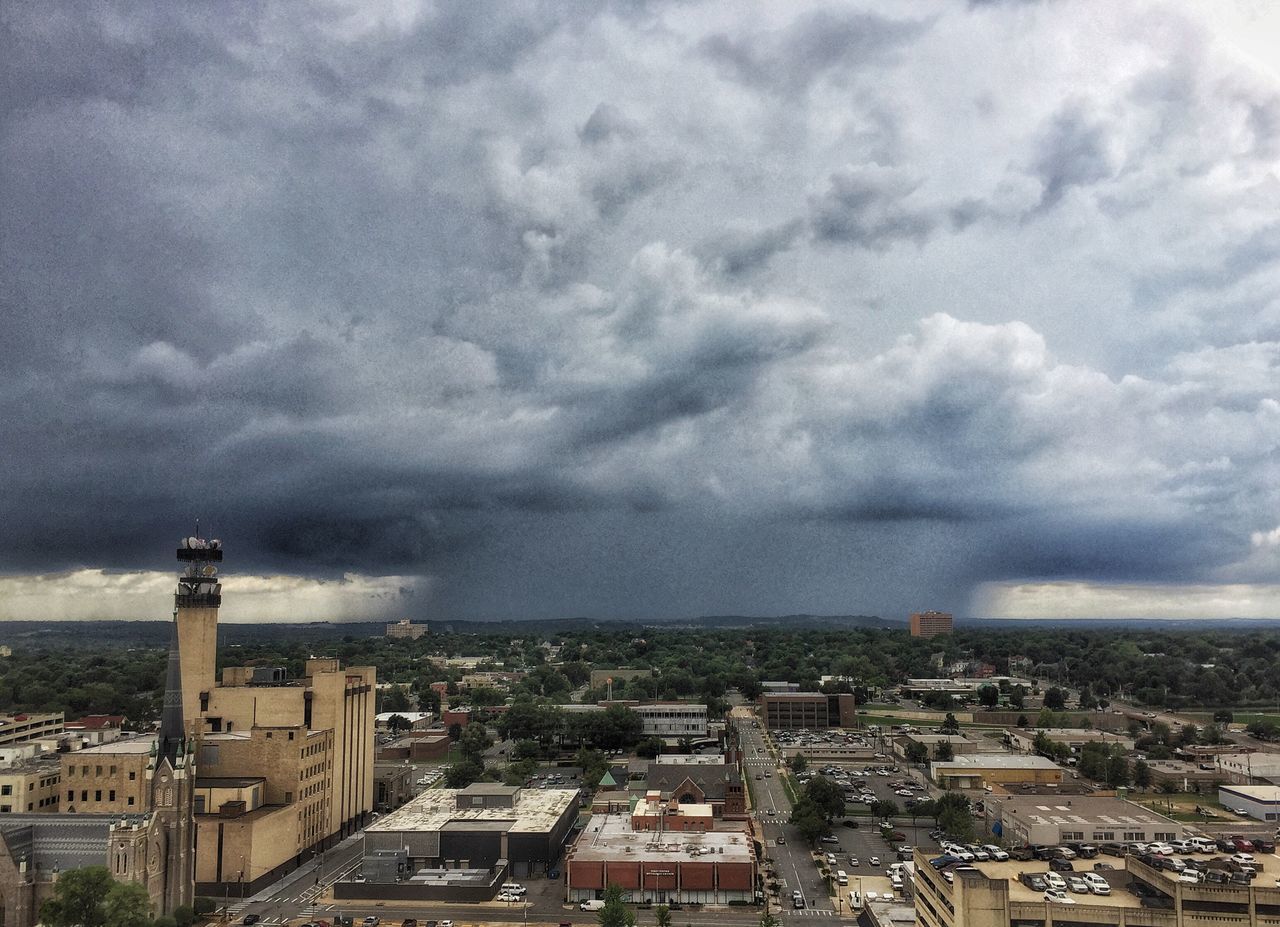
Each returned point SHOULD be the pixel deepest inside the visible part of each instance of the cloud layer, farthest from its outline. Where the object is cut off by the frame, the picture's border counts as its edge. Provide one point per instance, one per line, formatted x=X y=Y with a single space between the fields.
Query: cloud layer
x=634 y=309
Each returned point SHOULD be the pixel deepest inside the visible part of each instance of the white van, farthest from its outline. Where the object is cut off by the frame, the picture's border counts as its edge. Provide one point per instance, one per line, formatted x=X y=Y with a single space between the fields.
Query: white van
x=855 y=901
x=592 y=904
x=842 y=877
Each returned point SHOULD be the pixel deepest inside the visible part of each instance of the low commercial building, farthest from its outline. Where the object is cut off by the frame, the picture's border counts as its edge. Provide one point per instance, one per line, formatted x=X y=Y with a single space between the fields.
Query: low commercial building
x=1072 y=738
x=711 y=867
x=989 y=894
x=392 y=785
x=415 y=720
x=1244 y=768
x=1260 y=802
x=476 y=827
x=807 y=710
x=959 y=744
x=980 y=770
x=417 y=748
x=1026 y=821
x=1182 y=776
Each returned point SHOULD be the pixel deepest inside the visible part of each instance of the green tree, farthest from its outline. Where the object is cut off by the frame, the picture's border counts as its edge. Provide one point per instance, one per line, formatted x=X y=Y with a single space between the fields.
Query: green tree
x=825 y=795
x=916 y=752
x=615 y=912
x=474 y=742
x=884 y=808
x=1224 y=716
x=463 y=773
x=1142 y=775
x=89 y=897
x=395 y=699
x=989 y=696
x=78 y=899
x=950 y=725
x=129 y=905
x=183 y=915
x=1054 y=699
x=798 y=763
x=398 y=723
x=943 y=752
x=662 y=916
x=768 y=920
x=809 y=820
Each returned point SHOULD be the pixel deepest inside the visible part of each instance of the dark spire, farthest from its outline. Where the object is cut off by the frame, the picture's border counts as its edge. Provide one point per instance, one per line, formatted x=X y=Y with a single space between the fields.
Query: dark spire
x=171 y=727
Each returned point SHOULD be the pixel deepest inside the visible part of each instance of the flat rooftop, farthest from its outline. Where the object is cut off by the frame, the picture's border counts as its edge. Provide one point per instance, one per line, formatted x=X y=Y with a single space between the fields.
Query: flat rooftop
x=117 y=747
x=610 y=837
x=536 y=812
x=1083 y=810
x=996 y=761
x=1253 y=792
x=690 y=759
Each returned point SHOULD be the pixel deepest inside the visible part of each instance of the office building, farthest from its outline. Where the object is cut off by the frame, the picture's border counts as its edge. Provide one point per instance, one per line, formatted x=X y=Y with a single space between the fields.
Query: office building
x=405 y=629
x=672 y=720
x=930 y=624
x=306 y=744
x=807 y=710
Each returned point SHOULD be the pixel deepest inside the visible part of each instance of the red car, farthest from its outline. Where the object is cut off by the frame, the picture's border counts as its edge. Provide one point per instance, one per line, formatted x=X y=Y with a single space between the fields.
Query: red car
x=1242 y=845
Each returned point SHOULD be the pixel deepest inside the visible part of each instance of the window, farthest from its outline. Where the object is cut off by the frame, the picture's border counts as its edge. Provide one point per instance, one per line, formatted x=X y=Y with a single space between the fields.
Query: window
x=132 y=775
x=84 y=794
x=97 y=794
x=130 y=799
x=6 y=790
x=1135 y=835
x=97 y=770
x=113 y=770
x=111 y=796
x=1104 y=835
x=71 y=796
x=1072 y=835
x=291 y=735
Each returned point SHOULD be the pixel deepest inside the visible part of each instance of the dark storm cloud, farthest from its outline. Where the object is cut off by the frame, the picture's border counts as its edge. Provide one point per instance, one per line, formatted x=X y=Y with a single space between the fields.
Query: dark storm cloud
x=868 y=206
x=1073 y=153
x=616 y=296
x=817 y=44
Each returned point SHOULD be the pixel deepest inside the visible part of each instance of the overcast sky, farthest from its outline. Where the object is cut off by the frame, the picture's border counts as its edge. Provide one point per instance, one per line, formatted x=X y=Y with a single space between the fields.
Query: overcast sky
x=628 y=309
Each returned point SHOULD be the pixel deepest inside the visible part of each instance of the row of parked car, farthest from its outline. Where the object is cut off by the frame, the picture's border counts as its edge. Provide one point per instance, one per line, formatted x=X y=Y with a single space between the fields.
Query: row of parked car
x=1056 y=886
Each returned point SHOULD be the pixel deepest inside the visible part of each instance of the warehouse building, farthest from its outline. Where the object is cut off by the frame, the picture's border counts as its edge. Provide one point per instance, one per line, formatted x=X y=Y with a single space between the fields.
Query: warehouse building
x=1260 y=802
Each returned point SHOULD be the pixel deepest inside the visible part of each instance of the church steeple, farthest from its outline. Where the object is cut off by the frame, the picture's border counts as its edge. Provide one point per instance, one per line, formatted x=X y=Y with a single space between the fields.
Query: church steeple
x=170 y=745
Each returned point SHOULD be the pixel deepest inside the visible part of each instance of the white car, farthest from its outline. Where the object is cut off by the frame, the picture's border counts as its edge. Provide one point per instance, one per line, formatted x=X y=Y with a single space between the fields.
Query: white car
x=1053 y=880
x=979 y=853
x=1078 y=885
x=995 y=852
x=961 y=853
x=1163 y=849
x=1066 y=852
x=1245 y=859
x=1190 y=876
x=1058 y=896
x=513 y=888
x=875 y=860
x=509 y=897
x=1097 y=884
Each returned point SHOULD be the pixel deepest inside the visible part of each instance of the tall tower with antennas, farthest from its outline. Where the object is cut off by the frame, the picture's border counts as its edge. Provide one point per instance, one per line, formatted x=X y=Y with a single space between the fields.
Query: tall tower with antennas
x=196 y=616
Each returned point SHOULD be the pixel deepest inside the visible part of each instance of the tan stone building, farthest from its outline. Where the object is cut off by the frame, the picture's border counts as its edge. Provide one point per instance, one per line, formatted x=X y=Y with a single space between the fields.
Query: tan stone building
x=30 y=787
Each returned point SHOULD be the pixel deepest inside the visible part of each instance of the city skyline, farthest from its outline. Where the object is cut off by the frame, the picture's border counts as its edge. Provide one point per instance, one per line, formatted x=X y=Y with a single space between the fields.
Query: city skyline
x=630 y=310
